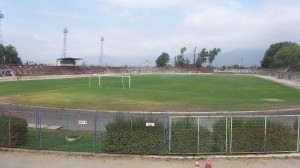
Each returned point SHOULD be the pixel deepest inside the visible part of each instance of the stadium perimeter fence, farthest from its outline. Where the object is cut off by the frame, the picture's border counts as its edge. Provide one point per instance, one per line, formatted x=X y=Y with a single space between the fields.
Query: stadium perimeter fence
x=127 y=133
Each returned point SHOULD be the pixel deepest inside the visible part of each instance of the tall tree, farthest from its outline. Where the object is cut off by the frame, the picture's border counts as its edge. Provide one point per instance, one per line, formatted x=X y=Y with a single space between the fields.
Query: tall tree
x=195 y=50
x=212 y=55
x=162 y=60
x=205 y=55
x=187 y=62
x=179 y=61
x=11 y=55
x=182 y=50
x=288 y=57
x=201 y=59
x=268 y=60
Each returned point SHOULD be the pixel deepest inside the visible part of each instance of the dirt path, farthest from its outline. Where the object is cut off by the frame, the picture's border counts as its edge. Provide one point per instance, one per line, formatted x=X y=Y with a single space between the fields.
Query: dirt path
x=282 y=81
x=33 y=159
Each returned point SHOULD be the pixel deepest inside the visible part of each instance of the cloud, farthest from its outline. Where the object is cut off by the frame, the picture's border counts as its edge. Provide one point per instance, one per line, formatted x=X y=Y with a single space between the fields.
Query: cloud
x=239 y=26
x=148 y=28
x=144 y=4
x=62 y=14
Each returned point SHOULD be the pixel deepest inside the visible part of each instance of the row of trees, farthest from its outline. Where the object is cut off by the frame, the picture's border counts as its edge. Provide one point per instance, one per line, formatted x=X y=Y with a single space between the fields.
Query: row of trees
x=10 y=54
x=181 y=61
x=282 y=55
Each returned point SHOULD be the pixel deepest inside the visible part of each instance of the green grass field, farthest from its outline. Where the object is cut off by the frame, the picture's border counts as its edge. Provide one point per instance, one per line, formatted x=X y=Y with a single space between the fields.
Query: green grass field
x=154 y=93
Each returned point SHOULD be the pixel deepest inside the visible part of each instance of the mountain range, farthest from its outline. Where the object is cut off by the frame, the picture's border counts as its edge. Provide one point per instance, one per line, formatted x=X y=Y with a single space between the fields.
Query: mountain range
x=243 y=57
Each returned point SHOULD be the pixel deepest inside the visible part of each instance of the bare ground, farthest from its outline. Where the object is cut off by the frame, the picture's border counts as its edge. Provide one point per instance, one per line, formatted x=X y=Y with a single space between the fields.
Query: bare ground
x=37 y=159
x=286 y=82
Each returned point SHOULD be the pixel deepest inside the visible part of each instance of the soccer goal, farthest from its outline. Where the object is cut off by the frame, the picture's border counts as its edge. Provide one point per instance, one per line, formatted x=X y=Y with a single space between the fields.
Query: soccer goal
x=124 y=80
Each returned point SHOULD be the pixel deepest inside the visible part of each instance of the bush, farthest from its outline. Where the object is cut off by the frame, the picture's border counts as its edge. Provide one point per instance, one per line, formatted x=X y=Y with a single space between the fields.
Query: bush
x=280 y=137
x=117 y=135
x=185 y=137
x=132 y=136
x=18 y=131
x=219 y=136
x=248 y=135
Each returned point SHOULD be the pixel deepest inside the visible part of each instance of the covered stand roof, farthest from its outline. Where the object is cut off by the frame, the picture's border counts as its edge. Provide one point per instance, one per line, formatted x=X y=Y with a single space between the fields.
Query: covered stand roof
x=68 y=61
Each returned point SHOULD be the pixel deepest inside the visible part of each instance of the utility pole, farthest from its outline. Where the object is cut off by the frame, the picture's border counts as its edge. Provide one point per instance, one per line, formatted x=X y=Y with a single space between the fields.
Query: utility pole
x=1 y=43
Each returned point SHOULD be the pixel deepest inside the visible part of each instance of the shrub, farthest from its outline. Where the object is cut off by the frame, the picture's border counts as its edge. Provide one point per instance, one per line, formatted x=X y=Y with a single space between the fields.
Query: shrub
x=117 y=135
x=132 y=136
x=184 y=137
x=280 y=137
x=248 y=135
x=219 y=136
x=17 y=134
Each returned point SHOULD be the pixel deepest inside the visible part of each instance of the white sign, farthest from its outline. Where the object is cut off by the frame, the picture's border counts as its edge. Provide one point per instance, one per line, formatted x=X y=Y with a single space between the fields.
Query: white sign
x=82 y=122
x=150 y=124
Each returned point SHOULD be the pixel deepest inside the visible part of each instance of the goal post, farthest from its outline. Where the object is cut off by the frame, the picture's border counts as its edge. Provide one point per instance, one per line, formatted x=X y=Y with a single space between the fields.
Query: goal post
x=114 y=76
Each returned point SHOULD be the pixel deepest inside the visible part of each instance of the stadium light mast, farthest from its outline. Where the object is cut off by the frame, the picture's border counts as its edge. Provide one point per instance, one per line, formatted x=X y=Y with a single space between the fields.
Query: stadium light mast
x=1 y=43
x=65 y=54
x=101 y=51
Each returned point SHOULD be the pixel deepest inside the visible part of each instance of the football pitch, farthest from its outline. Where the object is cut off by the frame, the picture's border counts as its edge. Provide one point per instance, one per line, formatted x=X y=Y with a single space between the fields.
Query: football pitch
x=154 y=92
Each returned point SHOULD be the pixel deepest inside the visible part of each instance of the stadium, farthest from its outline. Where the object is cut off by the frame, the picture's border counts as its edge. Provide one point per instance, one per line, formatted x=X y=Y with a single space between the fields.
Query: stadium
x=155 y=111
x=186 y=108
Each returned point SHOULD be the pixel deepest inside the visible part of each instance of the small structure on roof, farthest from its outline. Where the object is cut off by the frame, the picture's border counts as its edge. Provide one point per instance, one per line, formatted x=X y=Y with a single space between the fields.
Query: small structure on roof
x=68 y=61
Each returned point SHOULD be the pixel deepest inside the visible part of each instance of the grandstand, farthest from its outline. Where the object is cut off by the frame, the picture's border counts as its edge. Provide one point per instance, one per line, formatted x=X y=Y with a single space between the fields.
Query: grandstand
x=44 y=70
x=4 y=70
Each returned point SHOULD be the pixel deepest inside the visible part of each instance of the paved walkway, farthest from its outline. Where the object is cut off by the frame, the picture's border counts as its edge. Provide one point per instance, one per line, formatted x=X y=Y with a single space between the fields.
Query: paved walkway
x=34 y=159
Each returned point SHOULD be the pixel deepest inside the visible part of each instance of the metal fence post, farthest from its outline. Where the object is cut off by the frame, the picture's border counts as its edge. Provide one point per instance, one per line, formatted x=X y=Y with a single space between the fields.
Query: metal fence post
x=39 y=131
x=165 y=135
x=230 y=146
x=298 y=140
x=95 y=132
x=198 y=136
x=170 y=132
x=36 y=131
x=226 y=136
x=131 y=132
x=265 y=138
x=9 y=129
x=67 y=130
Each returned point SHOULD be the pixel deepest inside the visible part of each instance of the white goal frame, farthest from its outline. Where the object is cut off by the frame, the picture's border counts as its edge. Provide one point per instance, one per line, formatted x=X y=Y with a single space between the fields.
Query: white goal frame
x=115 y=76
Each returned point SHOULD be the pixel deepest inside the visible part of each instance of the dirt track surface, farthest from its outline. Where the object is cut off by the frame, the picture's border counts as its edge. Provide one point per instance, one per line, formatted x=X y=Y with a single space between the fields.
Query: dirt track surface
x=19 y=159
x=286 y=82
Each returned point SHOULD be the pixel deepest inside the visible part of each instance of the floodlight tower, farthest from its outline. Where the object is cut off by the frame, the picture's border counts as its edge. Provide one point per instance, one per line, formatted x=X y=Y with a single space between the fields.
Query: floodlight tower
x=65 y=54
x=101 y=51
x=1 y=51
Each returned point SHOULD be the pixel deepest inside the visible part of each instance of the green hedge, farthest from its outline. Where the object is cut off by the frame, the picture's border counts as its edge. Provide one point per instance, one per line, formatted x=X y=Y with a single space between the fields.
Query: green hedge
x=18 y=131
x=248 y=135
x=132 y=136
x=186 y=139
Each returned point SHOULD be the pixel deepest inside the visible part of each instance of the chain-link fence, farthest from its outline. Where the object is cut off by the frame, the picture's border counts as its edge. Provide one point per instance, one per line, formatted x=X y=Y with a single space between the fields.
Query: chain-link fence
x=233 y=134
x=160 y=134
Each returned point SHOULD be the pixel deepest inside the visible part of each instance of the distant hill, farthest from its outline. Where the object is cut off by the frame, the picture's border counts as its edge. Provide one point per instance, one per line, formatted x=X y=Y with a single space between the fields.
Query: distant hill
x=245 y=57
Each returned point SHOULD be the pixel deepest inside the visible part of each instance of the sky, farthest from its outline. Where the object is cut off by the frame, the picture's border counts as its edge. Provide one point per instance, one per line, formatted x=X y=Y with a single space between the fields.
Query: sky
x=140 y=29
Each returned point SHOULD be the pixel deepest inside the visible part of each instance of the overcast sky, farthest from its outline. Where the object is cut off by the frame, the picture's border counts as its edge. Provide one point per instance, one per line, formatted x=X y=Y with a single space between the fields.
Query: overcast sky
x=144 y=27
